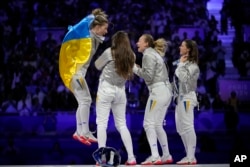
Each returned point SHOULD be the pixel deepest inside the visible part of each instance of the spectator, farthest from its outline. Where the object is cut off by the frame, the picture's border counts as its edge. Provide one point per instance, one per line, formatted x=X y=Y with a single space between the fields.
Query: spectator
x=223 y=21
x=197 y=38
x=233 y=101
x=242 y=64
x=9 y=105
x=231 y=114
x=12 y=153
x=218 y=103
x=231 y=119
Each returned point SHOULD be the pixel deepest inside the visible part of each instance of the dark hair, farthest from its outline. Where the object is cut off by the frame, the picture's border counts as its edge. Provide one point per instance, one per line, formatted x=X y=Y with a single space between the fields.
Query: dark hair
x=193 y=50
x=123 y=54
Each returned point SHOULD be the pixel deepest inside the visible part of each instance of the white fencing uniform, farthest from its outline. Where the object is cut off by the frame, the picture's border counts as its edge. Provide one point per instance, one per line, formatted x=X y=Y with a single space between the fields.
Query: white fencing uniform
x=111 y=95
x=155 y=74
x=185 y=80
x=81 y=91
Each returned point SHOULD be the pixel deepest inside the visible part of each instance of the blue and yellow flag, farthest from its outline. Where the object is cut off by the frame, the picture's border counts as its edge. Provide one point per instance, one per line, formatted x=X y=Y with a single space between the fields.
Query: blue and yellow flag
x=152 y=104
x=75 y=49
x=186 y=105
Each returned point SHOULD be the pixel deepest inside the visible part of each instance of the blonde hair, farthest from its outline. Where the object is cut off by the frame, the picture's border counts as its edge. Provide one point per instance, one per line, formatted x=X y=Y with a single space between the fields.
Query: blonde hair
x=160 y=45
x=100 y=18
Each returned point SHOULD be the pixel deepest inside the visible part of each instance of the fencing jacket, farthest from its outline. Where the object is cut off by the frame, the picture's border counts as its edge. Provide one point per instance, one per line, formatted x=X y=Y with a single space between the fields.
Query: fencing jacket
x=106 y=63
x=185 y=78
x=153 y=68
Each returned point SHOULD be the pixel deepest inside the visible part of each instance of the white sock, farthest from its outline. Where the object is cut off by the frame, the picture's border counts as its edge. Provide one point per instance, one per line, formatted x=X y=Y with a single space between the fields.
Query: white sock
x=152 y=140
x=163 y=139
x=184 y=141
x=84 y=114
x=127 y=141
x=101 y=136
x=191 y=143
x=78 y=122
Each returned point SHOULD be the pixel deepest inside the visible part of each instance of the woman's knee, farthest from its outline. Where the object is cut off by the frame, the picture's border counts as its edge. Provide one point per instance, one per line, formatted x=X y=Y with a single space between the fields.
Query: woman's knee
x=102 y=125
x=119 y=127
x=148 y=126
x=186 y=129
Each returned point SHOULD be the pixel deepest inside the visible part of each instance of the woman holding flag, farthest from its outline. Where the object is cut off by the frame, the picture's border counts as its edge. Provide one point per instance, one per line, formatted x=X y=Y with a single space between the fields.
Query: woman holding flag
x=78 y=47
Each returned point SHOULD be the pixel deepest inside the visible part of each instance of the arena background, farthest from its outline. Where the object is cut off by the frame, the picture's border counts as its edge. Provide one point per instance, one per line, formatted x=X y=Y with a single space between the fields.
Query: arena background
x=37 y=113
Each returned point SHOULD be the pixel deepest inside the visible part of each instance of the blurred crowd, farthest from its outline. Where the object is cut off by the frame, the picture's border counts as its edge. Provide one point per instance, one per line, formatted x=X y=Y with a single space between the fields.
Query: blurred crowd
x=29 y=79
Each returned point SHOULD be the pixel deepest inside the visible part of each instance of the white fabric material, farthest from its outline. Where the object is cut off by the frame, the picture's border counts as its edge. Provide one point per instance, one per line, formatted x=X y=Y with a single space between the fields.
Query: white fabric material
x=184 y=118
x=184 y=112
x=156 y=109
x=111 y=97
x=83 y=97
x=191 y=144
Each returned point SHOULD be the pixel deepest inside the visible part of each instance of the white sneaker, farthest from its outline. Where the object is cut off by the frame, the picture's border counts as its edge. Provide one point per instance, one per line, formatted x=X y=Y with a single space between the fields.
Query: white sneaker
x=90 y=137
x=167 y=159
x=186 y=161
x=152 y=161
x=131 y=161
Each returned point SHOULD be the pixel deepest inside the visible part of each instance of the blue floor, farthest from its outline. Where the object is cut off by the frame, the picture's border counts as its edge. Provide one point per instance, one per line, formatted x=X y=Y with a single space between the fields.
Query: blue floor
x=37 y=150
x=32 y=146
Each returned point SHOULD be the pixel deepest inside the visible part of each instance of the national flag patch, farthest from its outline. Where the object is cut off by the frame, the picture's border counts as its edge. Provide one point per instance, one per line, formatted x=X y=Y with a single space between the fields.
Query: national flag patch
x=186 y=105
x=152 y=104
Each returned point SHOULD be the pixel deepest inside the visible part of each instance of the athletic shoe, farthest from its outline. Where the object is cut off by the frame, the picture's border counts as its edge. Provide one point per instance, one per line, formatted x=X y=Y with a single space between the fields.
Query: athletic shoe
x=81 y=139
x=90 y=137
x=186 y=161
x=131 y=161
x=167 y=159
x=152 y=161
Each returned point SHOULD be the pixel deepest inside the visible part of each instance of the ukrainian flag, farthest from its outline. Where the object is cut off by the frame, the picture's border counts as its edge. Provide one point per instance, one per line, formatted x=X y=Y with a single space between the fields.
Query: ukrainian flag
x=75 y=49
